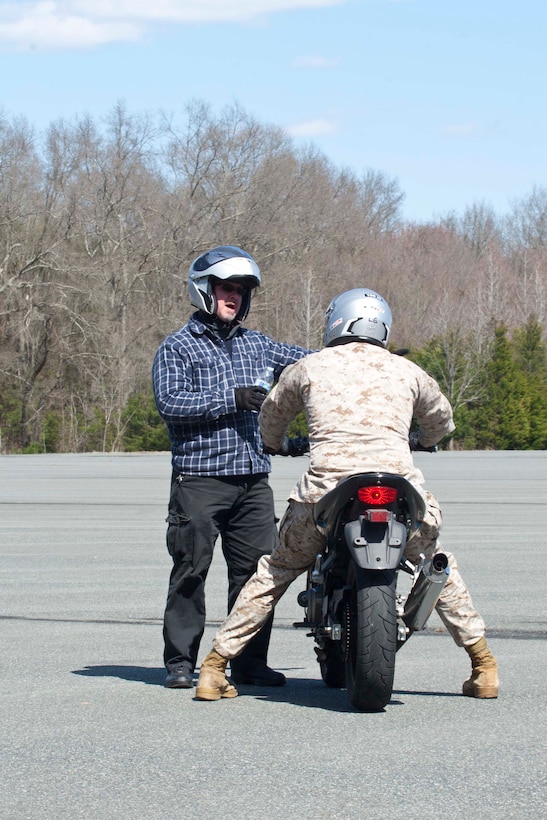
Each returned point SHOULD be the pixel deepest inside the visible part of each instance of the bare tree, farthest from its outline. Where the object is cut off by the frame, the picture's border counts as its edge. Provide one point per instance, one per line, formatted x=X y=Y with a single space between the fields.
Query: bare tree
x=99 y=222
x=478 y=226
x=526 y=237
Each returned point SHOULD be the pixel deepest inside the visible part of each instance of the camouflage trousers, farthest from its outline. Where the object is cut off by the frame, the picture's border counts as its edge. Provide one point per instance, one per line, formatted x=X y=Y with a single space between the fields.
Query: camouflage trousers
x=299 y=543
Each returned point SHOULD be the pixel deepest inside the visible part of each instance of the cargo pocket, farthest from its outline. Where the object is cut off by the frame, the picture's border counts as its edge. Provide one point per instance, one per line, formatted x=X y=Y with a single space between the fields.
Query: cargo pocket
x=179 y=536
x=433 y=518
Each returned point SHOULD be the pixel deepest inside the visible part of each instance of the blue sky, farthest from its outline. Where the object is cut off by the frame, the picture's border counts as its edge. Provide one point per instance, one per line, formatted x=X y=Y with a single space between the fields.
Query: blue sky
x=448 y=97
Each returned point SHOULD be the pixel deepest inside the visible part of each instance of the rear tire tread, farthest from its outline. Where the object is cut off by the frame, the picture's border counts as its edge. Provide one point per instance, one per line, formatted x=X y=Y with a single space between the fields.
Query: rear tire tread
x=370 y=668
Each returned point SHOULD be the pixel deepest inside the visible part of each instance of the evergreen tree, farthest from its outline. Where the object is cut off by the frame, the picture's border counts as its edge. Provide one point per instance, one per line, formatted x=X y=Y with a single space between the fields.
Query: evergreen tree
x=502 y=420
x=454 y=363
x=145 y=430
x=530 y=355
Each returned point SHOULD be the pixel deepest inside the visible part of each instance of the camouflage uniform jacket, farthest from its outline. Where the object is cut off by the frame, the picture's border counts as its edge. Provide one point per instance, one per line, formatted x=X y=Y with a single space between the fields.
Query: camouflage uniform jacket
x=359 y=400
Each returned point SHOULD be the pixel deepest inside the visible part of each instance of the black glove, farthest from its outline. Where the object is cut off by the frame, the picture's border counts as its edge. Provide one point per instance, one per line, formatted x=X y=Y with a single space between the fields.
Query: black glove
x=414 y=444
x=298 y=446
x=250 y=398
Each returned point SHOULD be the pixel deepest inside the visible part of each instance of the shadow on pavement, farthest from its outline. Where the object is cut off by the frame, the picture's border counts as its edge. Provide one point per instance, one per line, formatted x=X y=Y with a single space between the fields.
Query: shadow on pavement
x=307 y=692
x=421 y=694
x=314 y=694
x=143 y=674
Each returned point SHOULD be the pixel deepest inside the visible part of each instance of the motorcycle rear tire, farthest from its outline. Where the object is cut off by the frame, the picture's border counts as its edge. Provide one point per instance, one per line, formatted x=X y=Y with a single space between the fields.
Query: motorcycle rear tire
x=372 y=638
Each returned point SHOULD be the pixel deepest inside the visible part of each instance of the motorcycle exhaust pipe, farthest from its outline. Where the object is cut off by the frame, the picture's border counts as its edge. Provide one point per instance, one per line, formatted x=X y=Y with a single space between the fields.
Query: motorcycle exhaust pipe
x=425 y=591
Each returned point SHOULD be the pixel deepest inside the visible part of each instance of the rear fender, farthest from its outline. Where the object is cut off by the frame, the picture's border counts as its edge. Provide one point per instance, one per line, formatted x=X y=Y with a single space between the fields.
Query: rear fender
x=375 y=545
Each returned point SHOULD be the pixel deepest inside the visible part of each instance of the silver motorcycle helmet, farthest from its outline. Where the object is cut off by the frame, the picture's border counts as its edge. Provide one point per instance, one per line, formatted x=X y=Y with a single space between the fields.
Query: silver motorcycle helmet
x=222 y=262
x=358 y=315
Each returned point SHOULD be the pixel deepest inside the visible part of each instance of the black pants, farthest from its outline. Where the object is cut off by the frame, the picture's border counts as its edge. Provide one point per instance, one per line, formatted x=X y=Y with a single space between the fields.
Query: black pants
x=241 y=510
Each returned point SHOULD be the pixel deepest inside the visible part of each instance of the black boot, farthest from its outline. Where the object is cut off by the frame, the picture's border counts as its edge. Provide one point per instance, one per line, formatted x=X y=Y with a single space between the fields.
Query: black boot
x=179 y=676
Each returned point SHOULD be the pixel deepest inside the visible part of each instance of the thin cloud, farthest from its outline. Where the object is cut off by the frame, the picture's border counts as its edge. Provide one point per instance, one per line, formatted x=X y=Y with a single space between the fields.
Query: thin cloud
x=312 y=128
x=195 y=11
x=38 y=25
x=88 y=23
x=470 y=129
x=314 y=63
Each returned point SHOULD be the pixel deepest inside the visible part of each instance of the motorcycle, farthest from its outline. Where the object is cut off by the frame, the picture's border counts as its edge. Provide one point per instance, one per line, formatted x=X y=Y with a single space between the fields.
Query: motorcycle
x=353 y=609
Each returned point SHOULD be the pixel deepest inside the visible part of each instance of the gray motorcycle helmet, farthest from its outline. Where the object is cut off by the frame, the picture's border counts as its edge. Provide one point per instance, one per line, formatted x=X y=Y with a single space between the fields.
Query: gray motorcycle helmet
x=358 y=315
x=222 y=262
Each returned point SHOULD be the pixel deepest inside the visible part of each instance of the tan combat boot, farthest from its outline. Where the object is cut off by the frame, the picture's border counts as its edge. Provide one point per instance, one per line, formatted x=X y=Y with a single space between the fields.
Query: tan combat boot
x=212 y=682
x=484 y=682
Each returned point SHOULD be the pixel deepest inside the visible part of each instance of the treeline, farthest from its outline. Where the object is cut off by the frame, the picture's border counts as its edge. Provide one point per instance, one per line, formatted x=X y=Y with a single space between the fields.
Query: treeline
x=100 y=220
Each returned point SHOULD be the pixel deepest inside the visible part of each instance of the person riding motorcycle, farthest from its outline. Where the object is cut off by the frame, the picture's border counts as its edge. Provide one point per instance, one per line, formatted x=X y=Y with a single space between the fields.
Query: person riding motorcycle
x=360 y=401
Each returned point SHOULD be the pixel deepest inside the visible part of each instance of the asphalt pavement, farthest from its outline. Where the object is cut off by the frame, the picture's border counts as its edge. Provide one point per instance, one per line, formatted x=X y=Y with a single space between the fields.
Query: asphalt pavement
x=88 y=729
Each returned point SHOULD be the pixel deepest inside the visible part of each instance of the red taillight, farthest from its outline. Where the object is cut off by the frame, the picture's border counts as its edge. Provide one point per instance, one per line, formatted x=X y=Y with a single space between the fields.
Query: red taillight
x=377 y=496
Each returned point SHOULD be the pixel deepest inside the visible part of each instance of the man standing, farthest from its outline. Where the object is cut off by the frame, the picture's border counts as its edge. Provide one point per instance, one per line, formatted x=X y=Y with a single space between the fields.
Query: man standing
x=360 y=401
x=205 y=379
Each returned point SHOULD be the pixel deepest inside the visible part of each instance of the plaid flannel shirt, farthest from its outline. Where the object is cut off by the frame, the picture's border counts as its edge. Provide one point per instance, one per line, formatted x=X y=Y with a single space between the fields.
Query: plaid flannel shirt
x=194 y=376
